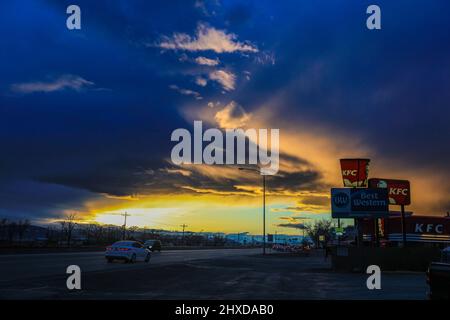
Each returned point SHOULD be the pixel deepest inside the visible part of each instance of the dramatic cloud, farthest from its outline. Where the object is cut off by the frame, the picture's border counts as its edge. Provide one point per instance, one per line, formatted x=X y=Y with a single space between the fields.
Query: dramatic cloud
x=186 y=92
x=202 y=82
x=232 y=116
x=28 y=199
x=206 y=61
x=67 y=81
x=225 y=78
x=206 y=38
x=294 y=218
x=308 y=203
x=300 y=226
x=185 y=173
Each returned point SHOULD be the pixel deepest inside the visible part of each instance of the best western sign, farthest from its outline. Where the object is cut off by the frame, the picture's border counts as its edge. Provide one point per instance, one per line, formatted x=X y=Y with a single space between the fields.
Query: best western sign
x=399 y=191
x=359 y=203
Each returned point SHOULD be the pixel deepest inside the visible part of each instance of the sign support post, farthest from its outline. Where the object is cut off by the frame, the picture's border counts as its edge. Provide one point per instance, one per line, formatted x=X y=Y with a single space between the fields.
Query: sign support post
x=358 y=238
x=377 y=233
x=399 y=194
x=355 y=174
x=403 y=225
x=339 y=226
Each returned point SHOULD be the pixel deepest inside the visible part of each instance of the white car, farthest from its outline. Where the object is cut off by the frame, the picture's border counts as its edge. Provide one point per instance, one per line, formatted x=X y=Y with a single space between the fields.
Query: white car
x=130 y=251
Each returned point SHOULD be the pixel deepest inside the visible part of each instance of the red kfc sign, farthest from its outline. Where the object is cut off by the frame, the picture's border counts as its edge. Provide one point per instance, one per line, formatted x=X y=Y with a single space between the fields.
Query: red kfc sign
x=399 y=191
x=355 y=172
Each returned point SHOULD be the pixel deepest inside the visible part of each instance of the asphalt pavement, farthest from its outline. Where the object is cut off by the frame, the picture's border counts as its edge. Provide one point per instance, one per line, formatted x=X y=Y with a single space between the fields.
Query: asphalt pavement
x=15 y=267
x=197 y=274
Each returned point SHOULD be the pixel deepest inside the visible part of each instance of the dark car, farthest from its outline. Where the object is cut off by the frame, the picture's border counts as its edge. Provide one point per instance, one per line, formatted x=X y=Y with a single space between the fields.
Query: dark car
x=438 y=277
x=153 y=245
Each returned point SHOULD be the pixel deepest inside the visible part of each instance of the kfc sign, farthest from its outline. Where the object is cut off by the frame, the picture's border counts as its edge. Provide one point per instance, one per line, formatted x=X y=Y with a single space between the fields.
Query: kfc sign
x=419 y=229
x=355 y=172
x=399 y=191
x=429 y=228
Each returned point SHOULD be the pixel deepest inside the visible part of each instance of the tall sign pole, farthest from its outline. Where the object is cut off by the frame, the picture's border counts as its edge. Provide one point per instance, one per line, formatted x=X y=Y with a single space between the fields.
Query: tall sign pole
x=355 y=174
x=264 y=214
x=339 y=226
x=403 y=225
x=264 y=203
x=377 y=233
x=399 y=192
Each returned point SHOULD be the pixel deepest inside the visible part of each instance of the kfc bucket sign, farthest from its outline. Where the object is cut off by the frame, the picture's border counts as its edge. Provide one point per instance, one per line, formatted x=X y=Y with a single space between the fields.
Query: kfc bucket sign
x=355 y=172
x=399 y=191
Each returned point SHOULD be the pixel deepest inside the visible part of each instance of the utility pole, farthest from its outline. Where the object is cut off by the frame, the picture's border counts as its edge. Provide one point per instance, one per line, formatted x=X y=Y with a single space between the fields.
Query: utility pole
x=183 y=226
x=124 y=225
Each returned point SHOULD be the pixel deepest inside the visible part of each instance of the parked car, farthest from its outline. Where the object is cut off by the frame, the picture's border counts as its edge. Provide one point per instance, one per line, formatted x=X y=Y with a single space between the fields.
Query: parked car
x=438 y=277
x=130 y=251
x=302 y=249
x=153 y=245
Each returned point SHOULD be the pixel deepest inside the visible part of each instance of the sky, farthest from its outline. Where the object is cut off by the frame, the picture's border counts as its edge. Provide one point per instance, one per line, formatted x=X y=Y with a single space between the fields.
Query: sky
x=86 y=115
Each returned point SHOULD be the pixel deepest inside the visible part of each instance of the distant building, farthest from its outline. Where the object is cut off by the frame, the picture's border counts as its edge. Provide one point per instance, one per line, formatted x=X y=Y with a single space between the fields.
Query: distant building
x=288 y=239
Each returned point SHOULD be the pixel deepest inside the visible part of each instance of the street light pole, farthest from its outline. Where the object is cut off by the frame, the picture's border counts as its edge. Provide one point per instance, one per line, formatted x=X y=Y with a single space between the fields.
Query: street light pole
x=264 y=214
x=264 y=205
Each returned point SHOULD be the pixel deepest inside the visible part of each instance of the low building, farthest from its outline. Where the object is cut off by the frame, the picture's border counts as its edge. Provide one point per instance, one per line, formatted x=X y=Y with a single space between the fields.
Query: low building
x=420 y=230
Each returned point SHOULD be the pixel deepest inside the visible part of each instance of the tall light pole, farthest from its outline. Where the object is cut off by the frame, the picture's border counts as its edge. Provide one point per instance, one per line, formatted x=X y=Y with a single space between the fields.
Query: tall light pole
x=264 y=204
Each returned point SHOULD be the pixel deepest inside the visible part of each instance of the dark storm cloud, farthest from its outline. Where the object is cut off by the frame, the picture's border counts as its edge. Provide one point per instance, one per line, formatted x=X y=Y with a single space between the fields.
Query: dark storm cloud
x=292 y=225
x=170 y=178
x=389 y=88
x=28 y=199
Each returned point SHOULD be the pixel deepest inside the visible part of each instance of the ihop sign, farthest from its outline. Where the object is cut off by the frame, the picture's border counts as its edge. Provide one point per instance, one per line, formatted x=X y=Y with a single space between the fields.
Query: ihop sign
x=359 y=203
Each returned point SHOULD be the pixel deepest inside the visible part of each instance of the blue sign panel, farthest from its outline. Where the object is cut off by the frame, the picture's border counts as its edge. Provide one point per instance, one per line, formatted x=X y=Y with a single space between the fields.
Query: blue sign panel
x=359 y=203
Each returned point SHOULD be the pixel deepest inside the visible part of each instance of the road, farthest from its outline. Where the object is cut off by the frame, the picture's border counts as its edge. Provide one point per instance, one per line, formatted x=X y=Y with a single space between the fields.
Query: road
x=197 y=274
x=28 y=266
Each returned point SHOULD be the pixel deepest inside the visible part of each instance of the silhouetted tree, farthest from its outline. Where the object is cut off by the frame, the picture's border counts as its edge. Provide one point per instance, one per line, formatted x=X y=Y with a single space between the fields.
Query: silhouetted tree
x=67 y=226
x=22 y=227
x=51 y=234
x=3 y=227
x=11 y=230
x=319 y=228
